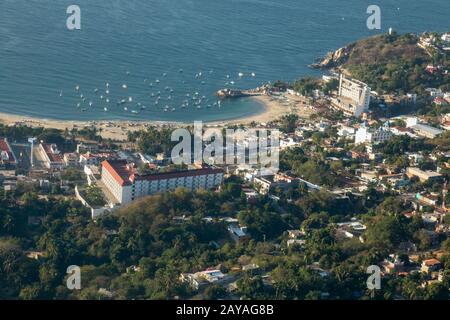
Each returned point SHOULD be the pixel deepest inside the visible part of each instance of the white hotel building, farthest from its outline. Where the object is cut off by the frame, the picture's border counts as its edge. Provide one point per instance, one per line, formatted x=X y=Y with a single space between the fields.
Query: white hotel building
x=369 y=135
x=353 y=98
x=126 y=184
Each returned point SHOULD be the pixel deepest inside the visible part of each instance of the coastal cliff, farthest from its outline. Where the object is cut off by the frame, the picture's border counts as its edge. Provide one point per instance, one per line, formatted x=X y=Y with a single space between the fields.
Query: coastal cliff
x=394 y=62
x=334 y=58
x=382 y=48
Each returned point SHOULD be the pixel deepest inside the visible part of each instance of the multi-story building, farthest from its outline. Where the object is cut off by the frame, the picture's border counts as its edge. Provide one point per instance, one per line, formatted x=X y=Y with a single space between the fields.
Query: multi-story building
x=423 y=176
x=353 y=97
x=7 y=156
x=52 y=157
x=368 y=135
x=126 y=185
x=71 y=159
x=95 y=159
x=426 y=131
x=422 y=130
x=87 y=147
x=262 y=184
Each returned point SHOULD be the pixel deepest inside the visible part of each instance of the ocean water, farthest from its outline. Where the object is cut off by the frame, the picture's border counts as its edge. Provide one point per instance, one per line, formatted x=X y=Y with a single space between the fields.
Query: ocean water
x=136 y=42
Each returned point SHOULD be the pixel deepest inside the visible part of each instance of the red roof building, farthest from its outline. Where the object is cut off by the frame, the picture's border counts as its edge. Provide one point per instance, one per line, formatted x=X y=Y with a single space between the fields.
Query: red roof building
x=53 y=159
x=7 y=156
x=126 y=184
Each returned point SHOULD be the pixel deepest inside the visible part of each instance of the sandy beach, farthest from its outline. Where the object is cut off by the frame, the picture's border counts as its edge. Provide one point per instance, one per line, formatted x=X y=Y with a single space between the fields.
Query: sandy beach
x=274 y=107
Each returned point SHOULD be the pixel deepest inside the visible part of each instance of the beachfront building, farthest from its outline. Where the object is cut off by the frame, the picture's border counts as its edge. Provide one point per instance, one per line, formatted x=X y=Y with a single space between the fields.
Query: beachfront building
x=52 y=157
x=7 y=156
x=126 y=185
x=353 y=98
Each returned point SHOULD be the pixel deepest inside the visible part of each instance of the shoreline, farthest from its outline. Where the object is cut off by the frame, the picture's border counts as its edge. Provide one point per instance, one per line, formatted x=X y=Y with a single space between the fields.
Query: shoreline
x=273 y=108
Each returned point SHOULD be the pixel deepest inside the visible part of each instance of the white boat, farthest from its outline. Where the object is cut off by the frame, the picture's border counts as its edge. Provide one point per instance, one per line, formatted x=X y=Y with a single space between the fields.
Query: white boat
x=105 y=109
x=124 y=86
x=240 y=74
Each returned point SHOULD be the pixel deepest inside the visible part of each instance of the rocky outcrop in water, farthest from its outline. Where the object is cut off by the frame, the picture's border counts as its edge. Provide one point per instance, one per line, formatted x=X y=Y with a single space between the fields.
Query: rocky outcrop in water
x=334 y=59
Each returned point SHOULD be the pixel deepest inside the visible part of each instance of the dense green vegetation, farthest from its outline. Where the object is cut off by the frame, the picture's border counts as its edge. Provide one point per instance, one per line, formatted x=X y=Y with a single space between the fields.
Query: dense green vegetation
x=140 y=250
x=146 y=235
x=94 y=196
x=395 y=64
x=153 y=140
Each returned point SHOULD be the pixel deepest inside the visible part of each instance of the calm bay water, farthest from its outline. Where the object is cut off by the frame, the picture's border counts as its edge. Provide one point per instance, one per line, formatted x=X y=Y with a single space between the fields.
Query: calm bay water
x=137 y=42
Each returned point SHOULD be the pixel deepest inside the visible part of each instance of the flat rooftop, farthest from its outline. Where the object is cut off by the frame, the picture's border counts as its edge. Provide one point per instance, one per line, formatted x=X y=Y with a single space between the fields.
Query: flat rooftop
x=126 y=175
